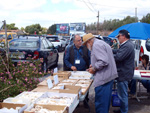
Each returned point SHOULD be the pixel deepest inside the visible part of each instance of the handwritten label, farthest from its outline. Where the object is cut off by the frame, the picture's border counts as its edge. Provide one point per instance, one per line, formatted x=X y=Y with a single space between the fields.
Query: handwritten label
x=55 y=70
x=49 y=82
x=56 y=79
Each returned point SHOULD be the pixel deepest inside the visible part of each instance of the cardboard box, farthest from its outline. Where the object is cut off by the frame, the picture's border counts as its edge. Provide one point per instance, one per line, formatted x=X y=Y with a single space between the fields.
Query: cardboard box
x=70 y=90
x=73 y=103
x=86 y=88
x=44 y=83
x=80 y=75
x=43 y=89
x=28 y=97
x=65 y=83
x=52 y=78
x=74 y=81
x=63 y=74
x=50 y=107
x=11 y=105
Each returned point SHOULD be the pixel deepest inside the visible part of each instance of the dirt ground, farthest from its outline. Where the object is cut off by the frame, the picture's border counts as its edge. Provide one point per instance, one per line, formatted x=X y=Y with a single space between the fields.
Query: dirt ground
x=134 y=106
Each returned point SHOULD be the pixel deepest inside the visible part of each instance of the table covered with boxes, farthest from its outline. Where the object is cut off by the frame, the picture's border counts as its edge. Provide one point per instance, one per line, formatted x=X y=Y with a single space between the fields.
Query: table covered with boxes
x=59 y=93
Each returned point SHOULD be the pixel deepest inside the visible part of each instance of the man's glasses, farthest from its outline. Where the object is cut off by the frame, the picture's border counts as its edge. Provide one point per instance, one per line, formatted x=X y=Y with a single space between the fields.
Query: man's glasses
x=119 y=36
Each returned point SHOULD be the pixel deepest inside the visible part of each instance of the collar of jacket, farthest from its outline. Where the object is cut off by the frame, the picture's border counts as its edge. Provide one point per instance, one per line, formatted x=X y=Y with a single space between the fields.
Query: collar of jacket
x=74 y=47
x=124 y=43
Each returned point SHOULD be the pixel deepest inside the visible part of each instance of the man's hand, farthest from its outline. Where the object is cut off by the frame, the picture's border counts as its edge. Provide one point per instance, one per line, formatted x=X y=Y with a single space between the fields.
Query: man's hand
x=91 y=70
x=73 y=68
x=90 y=66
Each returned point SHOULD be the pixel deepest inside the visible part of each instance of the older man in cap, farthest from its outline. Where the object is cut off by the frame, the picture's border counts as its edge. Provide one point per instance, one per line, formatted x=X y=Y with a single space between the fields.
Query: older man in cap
x=124 y=57
x=104 y=68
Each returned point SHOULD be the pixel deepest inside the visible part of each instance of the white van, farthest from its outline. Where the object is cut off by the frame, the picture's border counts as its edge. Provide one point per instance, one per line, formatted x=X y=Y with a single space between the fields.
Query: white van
x=141 y=47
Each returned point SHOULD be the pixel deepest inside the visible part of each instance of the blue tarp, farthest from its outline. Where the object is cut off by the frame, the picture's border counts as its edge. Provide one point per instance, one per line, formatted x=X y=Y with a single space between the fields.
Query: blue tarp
x=137 y=30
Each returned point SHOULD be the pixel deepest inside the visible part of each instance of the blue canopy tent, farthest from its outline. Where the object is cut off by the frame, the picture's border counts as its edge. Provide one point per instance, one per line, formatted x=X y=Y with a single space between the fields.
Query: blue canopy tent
x=137 y=30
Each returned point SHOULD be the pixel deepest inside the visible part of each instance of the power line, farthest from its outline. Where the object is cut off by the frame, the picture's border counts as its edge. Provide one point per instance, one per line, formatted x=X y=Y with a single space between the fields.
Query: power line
x=88 y=6
x=109 y=5
x=92 y=5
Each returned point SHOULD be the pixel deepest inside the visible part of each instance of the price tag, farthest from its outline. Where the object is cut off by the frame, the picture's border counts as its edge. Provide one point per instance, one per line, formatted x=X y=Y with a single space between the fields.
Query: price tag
x=55 y=70
x=49 y=82
x=56 y=79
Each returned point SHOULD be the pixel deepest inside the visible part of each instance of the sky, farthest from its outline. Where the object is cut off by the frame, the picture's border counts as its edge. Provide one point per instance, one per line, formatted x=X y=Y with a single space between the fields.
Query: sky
x=48 y=12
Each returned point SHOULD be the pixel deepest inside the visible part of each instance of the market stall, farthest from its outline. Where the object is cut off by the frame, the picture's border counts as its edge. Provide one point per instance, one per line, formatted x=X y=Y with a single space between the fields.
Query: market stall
x=60 y=92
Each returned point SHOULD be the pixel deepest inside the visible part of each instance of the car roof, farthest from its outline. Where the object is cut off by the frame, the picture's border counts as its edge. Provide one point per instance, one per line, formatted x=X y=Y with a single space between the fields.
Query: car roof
x=8 y=33
x=99 y=37
x=51 y=35
x=30 y=38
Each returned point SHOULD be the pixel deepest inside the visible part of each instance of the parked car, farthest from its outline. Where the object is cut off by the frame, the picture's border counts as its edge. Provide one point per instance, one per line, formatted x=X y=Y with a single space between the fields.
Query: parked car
x=57 y=41
x=10 y=36
x=64 y=43
x=141 y=47
x=108 y=40
x=67 y=39
x=98 y=37
x=37 y=47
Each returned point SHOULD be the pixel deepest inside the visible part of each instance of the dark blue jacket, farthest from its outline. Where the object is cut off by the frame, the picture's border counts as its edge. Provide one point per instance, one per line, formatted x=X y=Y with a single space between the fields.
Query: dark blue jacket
x=124 y=57
x=79 y=54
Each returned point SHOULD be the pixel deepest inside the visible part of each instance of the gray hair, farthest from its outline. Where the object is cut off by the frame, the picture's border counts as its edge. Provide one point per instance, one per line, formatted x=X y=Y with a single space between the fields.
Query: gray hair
x=75 y=36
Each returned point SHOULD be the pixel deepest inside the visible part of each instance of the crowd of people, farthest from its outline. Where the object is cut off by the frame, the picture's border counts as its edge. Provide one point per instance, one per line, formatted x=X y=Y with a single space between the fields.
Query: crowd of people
x=107 y=64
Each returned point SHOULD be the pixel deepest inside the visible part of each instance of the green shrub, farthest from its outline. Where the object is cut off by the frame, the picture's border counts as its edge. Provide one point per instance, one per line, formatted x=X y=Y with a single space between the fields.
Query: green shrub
x=16 y=79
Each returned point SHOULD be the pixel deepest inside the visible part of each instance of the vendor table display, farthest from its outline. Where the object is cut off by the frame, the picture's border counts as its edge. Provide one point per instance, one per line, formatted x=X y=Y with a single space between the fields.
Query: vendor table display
x=62 y=97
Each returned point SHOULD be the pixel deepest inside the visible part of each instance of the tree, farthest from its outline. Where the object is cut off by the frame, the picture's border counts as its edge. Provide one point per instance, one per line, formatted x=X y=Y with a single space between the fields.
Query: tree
x=44 y=30
x=146 y=19
x=22 y=28
x=52 y=29
x=11 y=26
x=33 y=28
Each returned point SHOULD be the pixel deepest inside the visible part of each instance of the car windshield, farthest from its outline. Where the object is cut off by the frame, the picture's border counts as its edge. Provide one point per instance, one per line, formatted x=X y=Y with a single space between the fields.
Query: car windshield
x=2 y=36
x=52 y=39
x=23 y=44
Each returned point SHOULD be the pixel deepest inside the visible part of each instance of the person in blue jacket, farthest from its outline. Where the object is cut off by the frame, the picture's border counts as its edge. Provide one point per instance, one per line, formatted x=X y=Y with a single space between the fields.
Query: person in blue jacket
x=77 y=58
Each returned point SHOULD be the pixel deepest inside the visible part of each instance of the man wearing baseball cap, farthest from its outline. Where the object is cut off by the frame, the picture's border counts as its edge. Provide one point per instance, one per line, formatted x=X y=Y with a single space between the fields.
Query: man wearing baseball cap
x=124 y=57
x=104 y=68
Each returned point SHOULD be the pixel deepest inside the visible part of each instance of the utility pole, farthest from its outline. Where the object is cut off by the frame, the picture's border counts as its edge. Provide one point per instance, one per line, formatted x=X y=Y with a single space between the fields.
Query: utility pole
x=97 y=23
x=6 y=44
x=136 y=15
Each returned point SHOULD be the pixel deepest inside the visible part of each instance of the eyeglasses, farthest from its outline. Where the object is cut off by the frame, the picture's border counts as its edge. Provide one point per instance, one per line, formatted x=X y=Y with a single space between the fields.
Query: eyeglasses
x=119 y=36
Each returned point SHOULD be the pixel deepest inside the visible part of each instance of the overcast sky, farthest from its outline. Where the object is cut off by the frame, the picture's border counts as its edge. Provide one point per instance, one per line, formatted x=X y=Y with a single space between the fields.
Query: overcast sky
x=48 y=12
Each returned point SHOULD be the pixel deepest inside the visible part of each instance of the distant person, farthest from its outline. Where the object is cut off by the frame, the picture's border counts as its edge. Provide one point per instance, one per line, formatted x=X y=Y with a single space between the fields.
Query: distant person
x=104 y=69
x=124 y=57
x=115 y=44
x=77 y=58
x=144 y=65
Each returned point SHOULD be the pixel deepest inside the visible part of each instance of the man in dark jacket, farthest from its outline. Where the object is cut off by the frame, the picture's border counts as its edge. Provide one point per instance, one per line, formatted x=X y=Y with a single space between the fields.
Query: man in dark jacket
x=124 y=57
x=77 y=58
